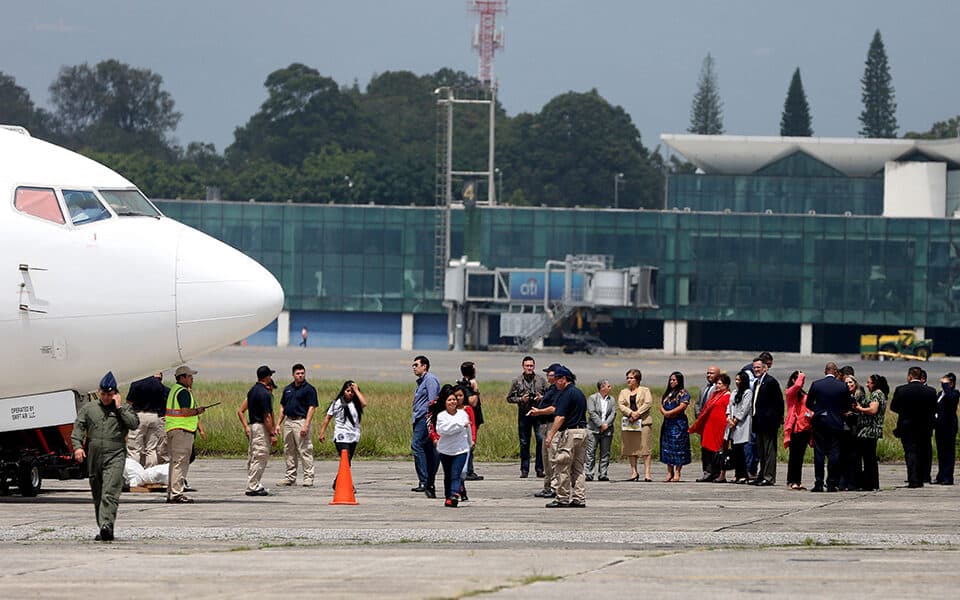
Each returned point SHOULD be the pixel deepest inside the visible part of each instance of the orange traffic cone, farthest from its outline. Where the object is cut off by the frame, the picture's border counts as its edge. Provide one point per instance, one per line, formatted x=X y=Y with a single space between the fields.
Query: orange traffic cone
x=343 y=492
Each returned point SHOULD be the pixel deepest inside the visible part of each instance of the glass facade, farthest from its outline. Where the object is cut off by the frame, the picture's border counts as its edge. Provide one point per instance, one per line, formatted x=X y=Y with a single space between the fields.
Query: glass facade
x=795 y=184
x=760 y=268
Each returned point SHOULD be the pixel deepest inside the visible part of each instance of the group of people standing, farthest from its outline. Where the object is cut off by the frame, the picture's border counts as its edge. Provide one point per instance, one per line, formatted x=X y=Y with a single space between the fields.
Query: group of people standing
x=445 y=423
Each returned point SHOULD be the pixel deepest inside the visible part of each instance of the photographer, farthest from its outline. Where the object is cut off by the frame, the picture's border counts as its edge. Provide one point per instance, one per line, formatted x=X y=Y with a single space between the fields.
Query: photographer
x=526 y=391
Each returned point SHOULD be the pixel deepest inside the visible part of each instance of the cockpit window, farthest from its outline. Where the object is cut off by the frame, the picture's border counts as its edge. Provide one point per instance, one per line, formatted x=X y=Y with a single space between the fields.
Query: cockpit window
x=84 y=207
x=39 y=202
x=129 y=203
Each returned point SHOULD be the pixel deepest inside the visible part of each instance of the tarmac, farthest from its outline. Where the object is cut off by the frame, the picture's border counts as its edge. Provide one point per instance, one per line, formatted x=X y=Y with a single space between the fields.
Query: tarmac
x=649 y=539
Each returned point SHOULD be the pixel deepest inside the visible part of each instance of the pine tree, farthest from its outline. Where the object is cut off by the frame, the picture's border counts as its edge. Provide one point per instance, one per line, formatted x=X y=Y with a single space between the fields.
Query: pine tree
x=706 y=113
x=795 y=120
x=879 y=118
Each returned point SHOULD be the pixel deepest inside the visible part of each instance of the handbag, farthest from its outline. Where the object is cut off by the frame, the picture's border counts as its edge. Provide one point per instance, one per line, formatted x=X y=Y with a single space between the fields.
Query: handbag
x=723 y=460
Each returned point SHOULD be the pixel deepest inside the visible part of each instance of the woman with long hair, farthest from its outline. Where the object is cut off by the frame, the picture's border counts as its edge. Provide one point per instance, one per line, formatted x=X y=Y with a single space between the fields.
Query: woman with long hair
x=471 y=389
x=797 y=431
x=739 y=421
x=345 y=411
x=674 y=437
x=870 y=412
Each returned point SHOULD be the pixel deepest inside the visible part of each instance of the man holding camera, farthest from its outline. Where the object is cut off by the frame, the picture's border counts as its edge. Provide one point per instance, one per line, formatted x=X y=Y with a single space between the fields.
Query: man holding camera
x=526 y=392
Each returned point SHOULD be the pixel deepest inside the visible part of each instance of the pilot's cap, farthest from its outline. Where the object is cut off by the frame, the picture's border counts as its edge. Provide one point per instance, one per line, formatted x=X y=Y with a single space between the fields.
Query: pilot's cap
x=184 y=370
x=264 y=371
x=109 y=382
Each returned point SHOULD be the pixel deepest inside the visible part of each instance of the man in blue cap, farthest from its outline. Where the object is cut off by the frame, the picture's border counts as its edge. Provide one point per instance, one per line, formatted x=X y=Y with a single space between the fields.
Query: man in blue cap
x=104 y=426
x=569 y=429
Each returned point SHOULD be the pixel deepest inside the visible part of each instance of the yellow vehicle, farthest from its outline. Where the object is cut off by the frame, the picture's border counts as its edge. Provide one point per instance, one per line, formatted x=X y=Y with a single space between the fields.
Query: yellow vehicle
x=904 y=345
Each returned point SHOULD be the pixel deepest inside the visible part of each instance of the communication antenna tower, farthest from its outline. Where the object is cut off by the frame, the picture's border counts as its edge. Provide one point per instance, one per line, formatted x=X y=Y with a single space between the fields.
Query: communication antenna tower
x=486 y=38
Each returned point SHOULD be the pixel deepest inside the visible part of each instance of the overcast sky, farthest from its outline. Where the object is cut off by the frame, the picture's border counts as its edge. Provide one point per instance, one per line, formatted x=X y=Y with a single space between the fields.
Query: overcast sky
x=214 y=55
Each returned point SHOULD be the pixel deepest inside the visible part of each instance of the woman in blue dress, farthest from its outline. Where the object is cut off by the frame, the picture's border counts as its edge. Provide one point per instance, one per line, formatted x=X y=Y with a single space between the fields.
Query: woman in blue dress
x=674 y=437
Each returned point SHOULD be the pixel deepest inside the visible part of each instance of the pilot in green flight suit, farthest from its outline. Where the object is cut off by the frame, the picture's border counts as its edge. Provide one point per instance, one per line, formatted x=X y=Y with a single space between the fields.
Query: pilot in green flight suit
x=104 y=425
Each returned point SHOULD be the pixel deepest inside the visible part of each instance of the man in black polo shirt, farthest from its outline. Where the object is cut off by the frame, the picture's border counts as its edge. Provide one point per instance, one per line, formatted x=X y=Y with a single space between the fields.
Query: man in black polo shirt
x=570 y=430
x=260 y=429
x=297 y=405
x=148 y=398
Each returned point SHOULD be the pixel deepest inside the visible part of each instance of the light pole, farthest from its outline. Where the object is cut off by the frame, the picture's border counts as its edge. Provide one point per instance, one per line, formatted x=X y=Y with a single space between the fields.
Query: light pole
x=617 y=180
x=499 y=184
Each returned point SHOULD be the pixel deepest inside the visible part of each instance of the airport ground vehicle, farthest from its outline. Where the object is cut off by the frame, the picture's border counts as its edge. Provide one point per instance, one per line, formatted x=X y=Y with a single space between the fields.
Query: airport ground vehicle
x=29 y=455
x=905 y=344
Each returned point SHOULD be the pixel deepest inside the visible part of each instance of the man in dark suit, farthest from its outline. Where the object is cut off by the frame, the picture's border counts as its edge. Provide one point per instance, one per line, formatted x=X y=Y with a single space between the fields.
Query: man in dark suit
x=945 y=428
x=828 y=400
x=915 y=403
x=767 y=419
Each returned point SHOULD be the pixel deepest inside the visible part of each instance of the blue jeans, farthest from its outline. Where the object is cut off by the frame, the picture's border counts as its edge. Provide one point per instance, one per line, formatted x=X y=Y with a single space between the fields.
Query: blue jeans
x=424 y=453
x=751 y=454
x=526 y=425
x=452 y=472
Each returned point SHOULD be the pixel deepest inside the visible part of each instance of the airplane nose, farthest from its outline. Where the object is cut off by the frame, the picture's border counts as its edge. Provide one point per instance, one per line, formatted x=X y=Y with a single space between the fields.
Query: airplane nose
x=222 y=295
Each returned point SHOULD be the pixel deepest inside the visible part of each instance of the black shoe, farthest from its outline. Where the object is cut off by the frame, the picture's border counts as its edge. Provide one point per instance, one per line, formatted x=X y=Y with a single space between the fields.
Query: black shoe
x=817 y=488
x=765 y=483
x=96 y=538
x=603 y=478
x=419 y=489
x=914 y=485
x=106 y=533
x=589 y=477
x=577 y=505
x=524 y=474
x=540 y=474
x=556 y=504
x=473 y=477
x=707 y=479
x=430 y=492
x=833 y=488
x=546 y=494
x=259 y=492
x=187 y=488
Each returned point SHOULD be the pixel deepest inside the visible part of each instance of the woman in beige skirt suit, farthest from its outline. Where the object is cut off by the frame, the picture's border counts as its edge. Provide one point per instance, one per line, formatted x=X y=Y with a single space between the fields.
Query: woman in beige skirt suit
x=635 y=402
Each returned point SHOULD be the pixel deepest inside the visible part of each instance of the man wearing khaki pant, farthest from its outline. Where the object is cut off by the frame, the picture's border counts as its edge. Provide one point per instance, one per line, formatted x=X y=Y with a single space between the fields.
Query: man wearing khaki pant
x=182 y=422
x=297 y=405
x=545 y=413
x=569 y=429
x=260 y=429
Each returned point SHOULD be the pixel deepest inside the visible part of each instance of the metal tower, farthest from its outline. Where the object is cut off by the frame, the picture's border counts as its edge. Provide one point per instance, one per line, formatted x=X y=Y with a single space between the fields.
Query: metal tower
x=486 y=39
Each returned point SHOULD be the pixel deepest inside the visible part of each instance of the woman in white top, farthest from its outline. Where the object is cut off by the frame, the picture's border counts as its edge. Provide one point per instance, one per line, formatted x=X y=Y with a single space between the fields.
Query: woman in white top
x=346 y=410
x=453 y=443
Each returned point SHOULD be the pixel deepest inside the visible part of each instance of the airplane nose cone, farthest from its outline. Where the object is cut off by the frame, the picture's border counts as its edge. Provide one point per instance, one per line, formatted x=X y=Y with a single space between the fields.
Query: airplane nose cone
x=222 y=295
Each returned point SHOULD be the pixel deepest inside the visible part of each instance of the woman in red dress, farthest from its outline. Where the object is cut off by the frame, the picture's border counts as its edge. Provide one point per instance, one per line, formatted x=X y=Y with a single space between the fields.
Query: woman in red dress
x=712 y=426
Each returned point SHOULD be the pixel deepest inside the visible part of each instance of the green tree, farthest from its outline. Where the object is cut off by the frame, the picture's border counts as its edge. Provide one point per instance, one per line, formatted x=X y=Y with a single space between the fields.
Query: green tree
x=570 y=153
x=795 y=120
x=303 y=112
x=706 y=112
x=16 y=108
x=879 y=116
x=938 y=131
x=114 y=107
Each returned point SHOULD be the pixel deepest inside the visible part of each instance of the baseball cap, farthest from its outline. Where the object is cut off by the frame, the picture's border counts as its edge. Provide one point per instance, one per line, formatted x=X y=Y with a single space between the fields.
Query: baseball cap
x=553 y=367
x=184 y=370
x=562 y=371
x=264 y=371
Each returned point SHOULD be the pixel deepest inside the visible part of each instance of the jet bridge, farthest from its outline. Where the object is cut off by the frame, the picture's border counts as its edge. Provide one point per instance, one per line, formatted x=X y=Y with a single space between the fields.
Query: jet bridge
x=531 y=303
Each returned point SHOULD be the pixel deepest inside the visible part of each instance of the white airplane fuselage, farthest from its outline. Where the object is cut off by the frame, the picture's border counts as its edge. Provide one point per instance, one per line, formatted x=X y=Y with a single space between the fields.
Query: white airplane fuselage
x=89 y=285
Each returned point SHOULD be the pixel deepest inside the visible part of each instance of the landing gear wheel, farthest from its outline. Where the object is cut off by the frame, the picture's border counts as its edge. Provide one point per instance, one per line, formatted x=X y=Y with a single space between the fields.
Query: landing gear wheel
x=923 y=353
x=28 y=477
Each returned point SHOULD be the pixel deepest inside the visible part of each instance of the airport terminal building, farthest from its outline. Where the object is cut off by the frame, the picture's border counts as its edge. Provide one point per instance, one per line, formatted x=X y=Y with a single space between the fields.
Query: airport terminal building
x=789 y=244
